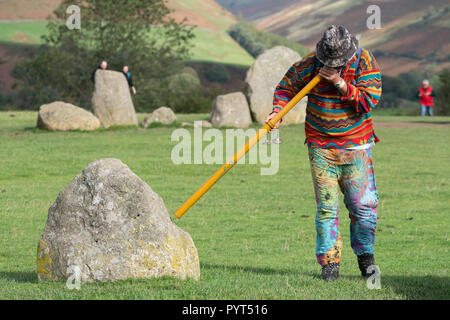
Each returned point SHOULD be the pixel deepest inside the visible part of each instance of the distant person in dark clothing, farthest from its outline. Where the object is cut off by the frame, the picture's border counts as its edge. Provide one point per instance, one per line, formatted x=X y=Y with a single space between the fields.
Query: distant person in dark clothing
x=425 y=95
x=127 y=75
x=102 y=66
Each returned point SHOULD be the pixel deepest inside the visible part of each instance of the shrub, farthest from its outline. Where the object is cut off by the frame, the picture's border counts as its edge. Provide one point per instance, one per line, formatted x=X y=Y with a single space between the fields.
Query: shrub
x=217 y=73
x=256 y=42
x=443 y=94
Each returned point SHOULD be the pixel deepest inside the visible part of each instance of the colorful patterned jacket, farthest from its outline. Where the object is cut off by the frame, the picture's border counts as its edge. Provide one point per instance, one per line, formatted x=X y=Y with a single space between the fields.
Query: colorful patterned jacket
x=334 y=121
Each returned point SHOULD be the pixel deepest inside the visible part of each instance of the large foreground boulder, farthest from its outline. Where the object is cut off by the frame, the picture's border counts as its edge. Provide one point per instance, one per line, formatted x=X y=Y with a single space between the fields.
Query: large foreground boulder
x=110 y=225
x=62 y=116
x=231 y=110
x=162 y=115
x=111 y=101
x=262 y=79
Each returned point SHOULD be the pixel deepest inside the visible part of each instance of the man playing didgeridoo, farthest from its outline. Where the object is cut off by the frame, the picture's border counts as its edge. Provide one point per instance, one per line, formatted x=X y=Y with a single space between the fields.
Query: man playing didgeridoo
x=340 y=137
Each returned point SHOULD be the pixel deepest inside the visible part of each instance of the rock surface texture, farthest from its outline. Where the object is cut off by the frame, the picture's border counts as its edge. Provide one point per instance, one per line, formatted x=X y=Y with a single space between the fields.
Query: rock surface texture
x=262 y=79
x=110 y=225
x=111 y=101
x=163 y=115
x=62 y=116
x=231 y=110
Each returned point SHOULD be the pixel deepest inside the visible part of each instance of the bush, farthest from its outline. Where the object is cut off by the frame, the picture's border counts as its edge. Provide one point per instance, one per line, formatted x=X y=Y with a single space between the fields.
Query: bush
x=443 y=94
x=256 y=42
x=393 y=90
x=182 y=92
x=199 y=101
x=217 y=73
x=240 y=34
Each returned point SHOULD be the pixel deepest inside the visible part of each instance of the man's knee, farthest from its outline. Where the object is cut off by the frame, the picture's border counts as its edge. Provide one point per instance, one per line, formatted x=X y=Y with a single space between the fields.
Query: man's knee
x=363 y=208
x=326 y=212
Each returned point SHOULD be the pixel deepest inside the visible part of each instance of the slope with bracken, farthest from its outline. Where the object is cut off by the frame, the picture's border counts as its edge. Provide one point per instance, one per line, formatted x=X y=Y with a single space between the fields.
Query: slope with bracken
x=414 y=35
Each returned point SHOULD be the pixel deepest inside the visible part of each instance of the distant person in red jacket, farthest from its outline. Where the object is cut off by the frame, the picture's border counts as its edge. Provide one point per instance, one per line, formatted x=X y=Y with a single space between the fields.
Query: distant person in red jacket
x=426 y=94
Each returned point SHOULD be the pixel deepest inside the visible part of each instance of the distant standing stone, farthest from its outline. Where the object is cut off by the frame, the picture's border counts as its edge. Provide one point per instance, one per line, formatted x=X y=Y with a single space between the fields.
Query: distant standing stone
x=111 y=101
x=231 y=110
x=110 y=225
x=162 y=115
x=262 y=79
x=62 y=116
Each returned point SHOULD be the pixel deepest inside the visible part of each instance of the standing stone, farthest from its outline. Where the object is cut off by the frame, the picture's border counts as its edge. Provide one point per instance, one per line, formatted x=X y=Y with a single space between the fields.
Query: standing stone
x=262 y=79
x=111 y=101
x=62 y=116
x=162 y=115
x=110 y=225
x=231 y=110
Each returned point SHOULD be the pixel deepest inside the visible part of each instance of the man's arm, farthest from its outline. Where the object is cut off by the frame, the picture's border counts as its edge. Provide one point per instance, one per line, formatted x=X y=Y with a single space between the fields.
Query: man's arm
x=367 y=92
x=293 y=81
x=130 y=83
x=93 y=75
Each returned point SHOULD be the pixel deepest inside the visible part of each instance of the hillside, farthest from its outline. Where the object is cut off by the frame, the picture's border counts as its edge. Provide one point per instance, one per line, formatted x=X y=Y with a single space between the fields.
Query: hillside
x=415 y=34
x=255 y=9
x=23 y=22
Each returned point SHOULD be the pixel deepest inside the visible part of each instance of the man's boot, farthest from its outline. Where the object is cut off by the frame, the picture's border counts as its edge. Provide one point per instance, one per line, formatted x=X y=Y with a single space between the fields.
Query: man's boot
x=366 y=260
x=330 y=272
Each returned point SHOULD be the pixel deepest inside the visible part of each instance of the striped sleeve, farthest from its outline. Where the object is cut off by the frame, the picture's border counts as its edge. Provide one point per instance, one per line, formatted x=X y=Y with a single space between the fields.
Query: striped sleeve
x=367 y=92
x=293 y=81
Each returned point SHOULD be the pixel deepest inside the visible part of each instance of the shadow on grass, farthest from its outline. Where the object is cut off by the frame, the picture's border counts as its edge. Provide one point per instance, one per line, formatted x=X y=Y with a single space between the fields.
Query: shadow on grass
x=20 y=276
x=258 y=270
x=414 y=287
x=100 y=129
x=409 y=287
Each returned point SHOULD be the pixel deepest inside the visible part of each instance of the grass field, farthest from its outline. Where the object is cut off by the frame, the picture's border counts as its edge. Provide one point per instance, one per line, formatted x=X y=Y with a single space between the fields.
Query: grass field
x=218 y=46
x=29 y=32
x=255 y=234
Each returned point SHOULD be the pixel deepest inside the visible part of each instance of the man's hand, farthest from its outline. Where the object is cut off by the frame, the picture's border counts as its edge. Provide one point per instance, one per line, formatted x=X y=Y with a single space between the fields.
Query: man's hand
x=330 y=74
x=134 y=90
x=270 y=116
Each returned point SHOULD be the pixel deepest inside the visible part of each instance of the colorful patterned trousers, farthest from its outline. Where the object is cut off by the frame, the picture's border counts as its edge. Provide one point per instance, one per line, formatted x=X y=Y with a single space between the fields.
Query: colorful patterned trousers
x=351 y=171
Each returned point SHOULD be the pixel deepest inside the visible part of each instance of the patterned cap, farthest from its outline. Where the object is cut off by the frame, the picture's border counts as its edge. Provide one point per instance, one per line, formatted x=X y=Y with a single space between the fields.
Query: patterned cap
x=336 y=47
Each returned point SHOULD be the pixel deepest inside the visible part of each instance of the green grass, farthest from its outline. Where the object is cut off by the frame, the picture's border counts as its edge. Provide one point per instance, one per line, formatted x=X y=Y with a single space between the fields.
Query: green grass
x=218 y=46
x=207 y=10
x=255 y=234
x=13 y=31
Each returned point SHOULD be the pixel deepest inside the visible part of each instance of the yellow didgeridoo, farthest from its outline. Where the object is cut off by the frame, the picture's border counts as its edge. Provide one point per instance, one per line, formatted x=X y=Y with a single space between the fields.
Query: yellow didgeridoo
x=241 y=152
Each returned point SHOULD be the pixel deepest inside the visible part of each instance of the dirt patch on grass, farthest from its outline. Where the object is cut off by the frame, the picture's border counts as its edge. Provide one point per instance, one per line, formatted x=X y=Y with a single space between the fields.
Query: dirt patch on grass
x=22 y=37
x=411 y=124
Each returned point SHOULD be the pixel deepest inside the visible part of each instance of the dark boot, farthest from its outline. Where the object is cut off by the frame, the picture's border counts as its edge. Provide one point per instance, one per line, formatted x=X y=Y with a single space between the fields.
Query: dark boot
x=330 y=272
x=364 y=261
